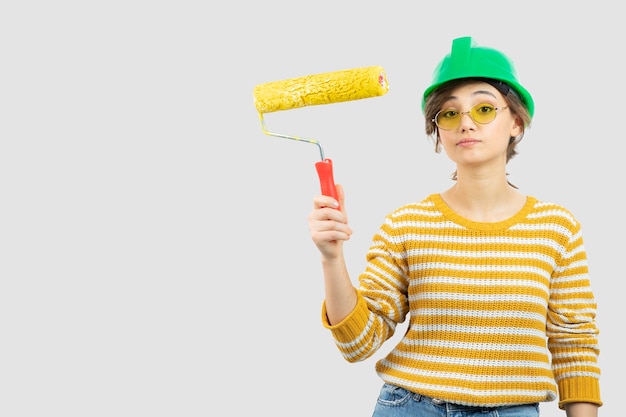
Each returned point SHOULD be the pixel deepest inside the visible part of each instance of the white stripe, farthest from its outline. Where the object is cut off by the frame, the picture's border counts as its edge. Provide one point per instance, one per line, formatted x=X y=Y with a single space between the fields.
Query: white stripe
x=502 y=348
x=491 y=314
x=455 y=297
x=479 y=268
x=463 y=377
x=453 y=360
x=480 y=330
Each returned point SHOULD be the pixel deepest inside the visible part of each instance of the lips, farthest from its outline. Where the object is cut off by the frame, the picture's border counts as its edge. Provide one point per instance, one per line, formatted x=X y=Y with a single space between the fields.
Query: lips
x=467 y=142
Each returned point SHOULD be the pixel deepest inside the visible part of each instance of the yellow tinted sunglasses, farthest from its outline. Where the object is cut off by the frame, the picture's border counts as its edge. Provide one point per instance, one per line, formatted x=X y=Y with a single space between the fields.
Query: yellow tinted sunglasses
x=450 y=118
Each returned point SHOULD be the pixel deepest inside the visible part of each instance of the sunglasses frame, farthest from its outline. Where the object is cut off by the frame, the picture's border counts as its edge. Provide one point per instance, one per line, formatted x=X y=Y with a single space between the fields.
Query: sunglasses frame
x=469 y=112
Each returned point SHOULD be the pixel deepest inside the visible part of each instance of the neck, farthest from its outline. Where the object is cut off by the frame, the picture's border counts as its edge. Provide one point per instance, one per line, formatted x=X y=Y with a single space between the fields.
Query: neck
x=484 y=199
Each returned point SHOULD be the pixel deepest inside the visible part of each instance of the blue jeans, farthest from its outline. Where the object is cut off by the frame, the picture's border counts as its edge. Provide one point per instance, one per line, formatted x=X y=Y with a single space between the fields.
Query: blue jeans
x=394 y=401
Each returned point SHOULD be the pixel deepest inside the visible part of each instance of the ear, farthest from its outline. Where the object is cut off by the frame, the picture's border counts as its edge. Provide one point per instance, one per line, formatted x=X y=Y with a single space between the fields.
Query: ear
x=517 y=128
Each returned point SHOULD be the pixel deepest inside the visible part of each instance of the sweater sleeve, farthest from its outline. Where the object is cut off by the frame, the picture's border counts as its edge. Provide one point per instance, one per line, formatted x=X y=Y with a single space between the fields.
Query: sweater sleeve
x=571 y=327
x=382 y=300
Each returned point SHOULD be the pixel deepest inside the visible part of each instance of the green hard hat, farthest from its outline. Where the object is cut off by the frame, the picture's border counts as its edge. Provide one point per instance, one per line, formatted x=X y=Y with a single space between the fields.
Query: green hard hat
x=467 y=60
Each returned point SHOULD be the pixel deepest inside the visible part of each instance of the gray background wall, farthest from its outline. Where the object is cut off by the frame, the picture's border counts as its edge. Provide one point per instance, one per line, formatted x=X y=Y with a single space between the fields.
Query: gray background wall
x=155 y=256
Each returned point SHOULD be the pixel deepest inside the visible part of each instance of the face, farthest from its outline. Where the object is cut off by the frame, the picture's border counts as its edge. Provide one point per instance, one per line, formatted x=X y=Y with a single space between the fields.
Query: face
x=475 y=125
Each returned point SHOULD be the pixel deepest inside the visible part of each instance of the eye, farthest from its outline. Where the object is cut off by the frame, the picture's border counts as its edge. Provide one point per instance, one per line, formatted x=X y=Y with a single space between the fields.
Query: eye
x=449 y=113
x=484 y=108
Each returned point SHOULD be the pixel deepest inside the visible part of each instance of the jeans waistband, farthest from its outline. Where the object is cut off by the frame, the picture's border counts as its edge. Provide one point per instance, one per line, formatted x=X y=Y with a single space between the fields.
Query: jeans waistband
x=471 y=408
x=456 y=407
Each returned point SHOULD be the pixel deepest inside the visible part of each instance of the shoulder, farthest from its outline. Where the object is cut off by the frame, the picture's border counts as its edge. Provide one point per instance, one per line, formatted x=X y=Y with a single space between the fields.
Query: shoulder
x=549 y=212
x=424 y=208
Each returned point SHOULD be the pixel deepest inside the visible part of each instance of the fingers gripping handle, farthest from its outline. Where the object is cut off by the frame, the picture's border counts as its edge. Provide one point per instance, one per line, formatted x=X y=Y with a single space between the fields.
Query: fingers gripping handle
x=327 y=181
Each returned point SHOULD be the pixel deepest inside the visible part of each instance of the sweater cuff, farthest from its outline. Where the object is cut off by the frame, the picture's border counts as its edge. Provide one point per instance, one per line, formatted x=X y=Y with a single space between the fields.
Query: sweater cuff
x=353 y=325
x=579 y=390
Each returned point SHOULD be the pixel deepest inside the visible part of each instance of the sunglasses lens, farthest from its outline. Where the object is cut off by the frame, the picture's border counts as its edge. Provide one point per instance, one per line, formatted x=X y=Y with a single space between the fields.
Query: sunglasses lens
x=483 y=113
x=448 y=119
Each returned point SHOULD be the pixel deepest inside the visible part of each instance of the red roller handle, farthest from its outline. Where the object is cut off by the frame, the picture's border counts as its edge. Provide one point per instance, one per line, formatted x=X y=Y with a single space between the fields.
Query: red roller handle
x=327 y=182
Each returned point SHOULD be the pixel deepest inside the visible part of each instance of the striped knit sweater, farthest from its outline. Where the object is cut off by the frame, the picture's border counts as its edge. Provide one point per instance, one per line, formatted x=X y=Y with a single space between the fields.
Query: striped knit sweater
x=499 y=313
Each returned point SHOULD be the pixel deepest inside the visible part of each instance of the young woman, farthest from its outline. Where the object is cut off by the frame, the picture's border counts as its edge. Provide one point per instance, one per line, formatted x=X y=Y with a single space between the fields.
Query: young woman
x=494 y=282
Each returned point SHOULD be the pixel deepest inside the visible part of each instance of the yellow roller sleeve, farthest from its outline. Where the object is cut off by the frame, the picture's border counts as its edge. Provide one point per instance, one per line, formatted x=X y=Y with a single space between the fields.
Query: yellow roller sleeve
x=330 y=87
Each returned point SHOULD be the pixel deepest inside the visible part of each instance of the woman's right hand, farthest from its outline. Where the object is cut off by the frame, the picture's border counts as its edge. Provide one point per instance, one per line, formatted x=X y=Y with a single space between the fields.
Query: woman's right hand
x=329 y=226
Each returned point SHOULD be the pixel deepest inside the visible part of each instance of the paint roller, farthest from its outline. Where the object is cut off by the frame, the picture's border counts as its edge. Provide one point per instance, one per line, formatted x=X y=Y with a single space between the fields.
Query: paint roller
x=316 y=89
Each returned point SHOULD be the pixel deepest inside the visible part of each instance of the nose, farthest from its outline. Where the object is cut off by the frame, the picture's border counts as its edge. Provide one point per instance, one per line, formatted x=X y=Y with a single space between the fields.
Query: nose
x=467 y=122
